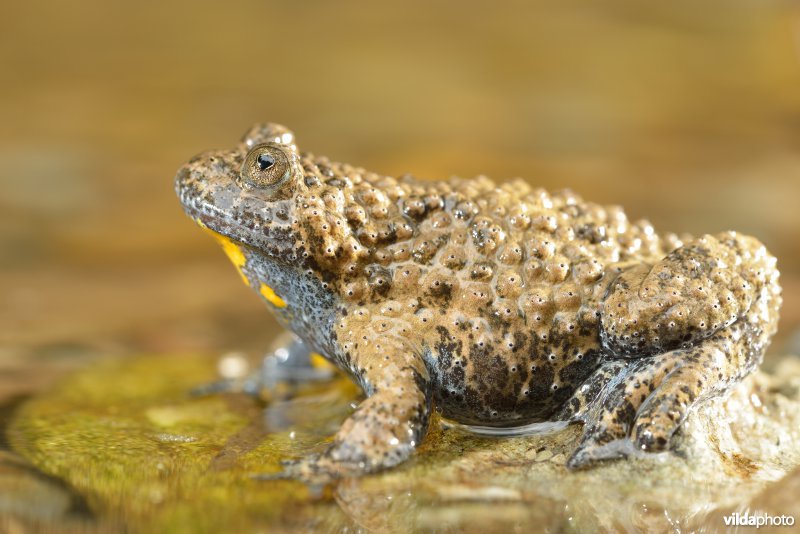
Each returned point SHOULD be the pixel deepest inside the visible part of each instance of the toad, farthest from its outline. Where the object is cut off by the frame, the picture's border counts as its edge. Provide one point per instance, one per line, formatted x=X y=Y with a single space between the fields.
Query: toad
x=499 y=305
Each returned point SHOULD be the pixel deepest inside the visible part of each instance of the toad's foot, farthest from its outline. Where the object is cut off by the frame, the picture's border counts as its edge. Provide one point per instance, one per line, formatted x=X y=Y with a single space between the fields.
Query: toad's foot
x=387 y=426
x=314 y=469
x=289 y=361
x=641 y=409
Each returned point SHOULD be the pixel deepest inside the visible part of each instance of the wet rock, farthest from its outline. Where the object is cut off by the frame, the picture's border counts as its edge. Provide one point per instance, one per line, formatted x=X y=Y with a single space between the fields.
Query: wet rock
x=129 y=438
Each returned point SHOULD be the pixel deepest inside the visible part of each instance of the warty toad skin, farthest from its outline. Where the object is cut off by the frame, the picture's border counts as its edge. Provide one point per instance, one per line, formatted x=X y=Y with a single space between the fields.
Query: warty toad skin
x=500 y=305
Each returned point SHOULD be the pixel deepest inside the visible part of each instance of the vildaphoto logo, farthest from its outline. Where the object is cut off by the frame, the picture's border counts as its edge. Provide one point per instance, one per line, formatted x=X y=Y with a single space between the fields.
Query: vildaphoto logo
x=758 y=520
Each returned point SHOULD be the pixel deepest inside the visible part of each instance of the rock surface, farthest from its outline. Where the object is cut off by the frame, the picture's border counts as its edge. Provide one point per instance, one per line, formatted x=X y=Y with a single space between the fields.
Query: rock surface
x=130 y=442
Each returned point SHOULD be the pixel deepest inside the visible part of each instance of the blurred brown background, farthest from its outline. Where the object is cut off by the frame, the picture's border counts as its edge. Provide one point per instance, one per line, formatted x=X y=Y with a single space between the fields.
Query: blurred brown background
x=687 y=113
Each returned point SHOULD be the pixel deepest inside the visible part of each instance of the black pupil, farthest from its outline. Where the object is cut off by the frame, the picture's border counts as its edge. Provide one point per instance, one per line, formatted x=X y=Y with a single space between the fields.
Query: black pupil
x=265 y=161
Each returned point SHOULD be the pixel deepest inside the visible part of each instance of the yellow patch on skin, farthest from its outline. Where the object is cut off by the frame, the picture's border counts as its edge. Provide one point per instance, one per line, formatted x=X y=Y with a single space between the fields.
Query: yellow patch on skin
x=271 y=297
x=318 y=361
x=231 y=249
x=235 y=254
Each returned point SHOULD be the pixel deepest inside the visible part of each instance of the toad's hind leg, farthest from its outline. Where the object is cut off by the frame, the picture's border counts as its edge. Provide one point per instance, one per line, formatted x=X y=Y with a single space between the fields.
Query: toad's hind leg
x=652 y=396
x=655 y=392
x=695 y=291
x=709 y=368
x=589 y=394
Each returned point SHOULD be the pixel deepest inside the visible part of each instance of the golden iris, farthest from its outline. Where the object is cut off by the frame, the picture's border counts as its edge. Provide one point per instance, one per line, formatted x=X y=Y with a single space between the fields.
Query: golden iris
x=266 y=166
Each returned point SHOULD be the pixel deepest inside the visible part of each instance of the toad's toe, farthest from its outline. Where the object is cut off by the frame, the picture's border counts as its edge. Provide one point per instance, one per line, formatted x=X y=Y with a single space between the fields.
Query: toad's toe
x=598 y=449
x=613 y=413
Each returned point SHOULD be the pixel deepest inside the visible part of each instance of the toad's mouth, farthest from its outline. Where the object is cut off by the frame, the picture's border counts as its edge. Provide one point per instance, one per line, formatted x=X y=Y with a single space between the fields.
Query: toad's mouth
x=226 y=211
x=204 y=207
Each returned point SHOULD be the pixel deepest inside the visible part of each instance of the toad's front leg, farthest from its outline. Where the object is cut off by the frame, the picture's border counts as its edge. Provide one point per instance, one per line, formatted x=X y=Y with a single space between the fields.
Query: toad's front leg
x=388 y=425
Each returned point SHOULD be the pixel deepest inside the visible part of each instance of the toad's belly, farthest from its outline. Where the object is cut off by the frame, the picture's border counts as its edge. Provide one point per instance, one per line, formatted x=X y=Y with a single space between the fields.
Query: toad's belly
x=486 y=388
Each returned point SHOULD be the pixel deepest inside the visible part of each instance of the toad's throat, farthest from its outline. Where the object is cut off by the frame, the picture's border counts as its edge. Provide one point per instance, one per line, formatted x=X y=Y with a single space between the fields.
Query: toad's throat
x=269 y=294
x=237 y=257
x=231 y=249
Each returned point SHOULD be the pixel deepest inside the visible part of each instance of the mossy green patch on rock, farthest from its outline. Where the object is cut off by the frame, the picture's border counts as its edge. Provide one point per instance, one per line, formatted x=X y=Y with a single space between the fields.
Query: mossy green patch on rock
x=128 y=437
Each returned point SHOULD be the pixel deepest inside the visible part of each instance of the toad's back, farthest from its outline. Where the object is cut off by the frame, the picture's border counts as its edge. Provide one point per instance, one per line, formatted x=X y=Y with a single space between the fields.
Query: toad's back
x=501 y=286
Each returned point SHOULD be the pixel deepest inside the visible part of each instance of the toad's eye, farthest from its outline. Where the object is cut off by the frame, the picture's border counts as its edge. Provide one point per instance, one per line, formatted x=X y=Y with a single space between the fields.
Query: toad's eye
x=266 y=166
